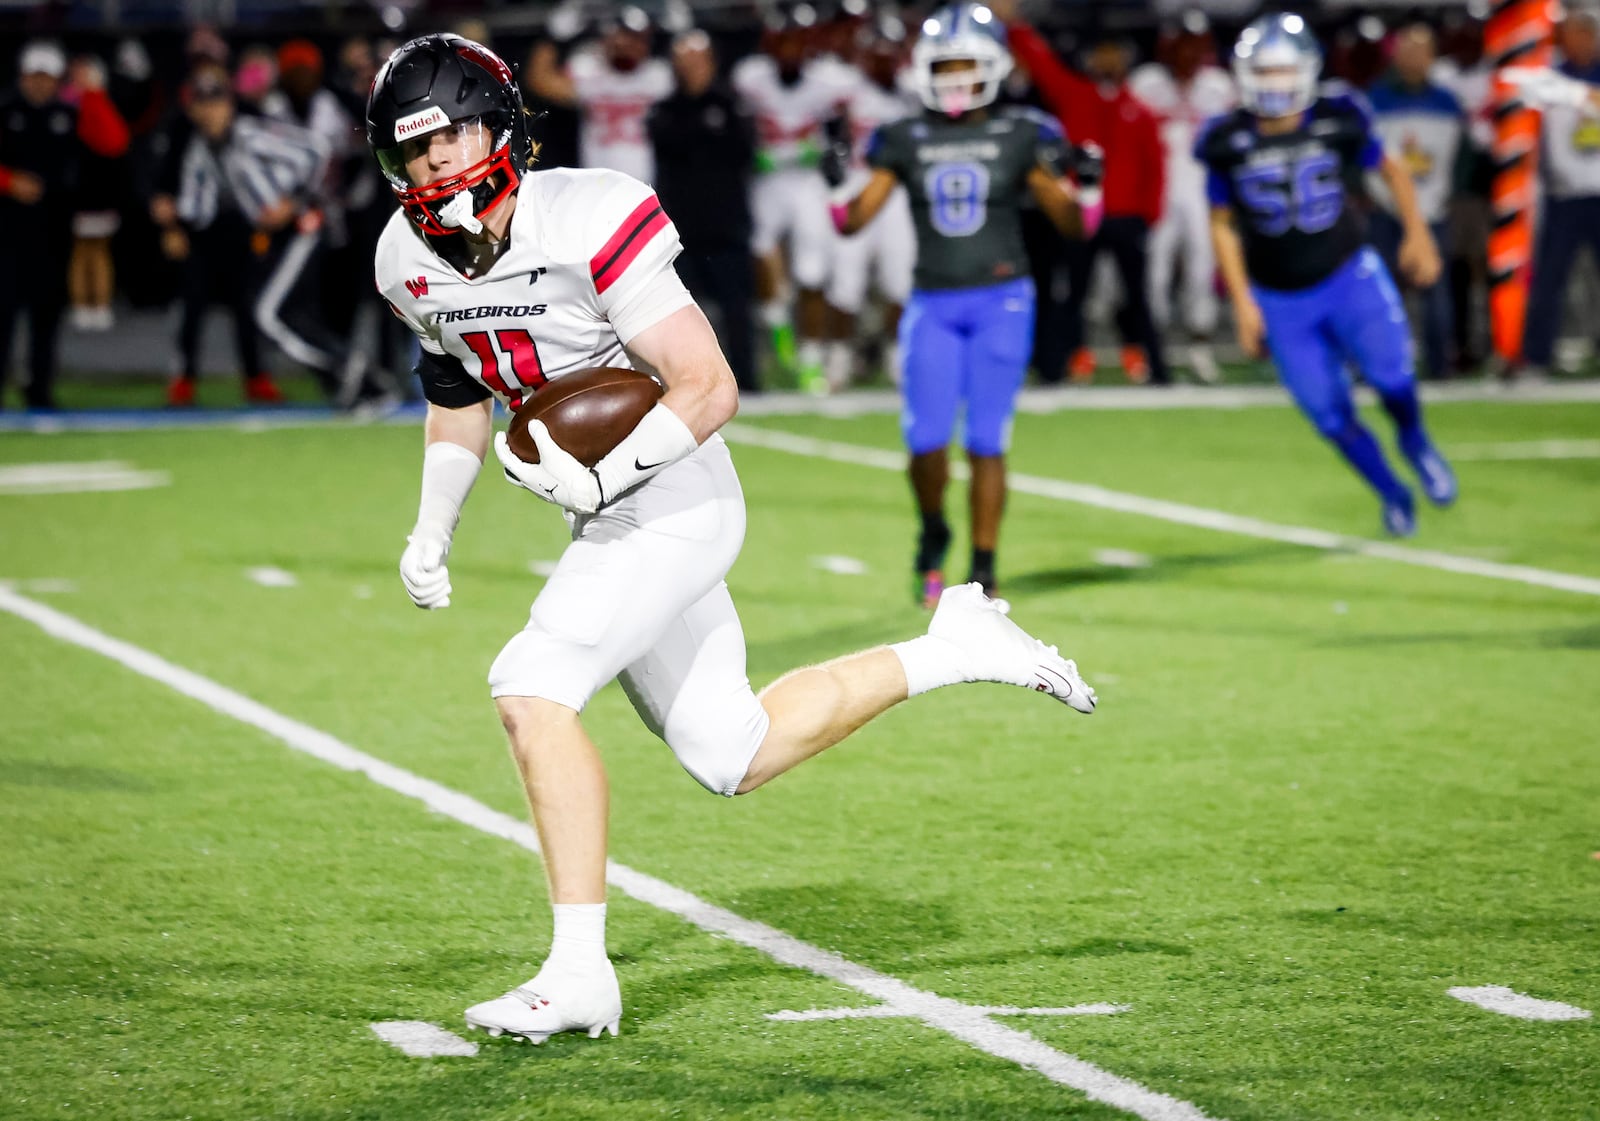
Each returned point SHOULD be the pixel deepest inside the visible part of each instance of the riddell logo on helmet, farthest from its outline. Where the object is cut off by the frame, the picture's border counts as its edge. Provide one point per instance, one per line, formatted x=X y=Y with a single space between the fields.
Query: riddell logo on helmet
x=417 y=123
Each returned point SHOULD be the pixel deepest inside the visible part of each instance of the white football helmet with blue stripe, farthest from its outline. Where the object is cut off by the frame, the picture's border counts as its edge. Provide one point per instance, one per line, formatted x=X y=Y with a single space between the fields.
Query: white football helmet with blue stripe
x=1277 y=63
x=964 y=32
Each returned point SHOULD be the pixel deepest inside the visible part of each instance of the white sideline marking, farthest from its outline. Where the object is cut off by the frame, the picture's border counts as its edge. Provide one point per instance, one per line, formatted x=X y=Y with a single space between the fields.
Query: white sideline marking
x=1088 y=495
x=1498 y=998
x=887 y=1011
x=841 y=566
x=1121 y=558
x=41 y=587
x=422 y=1040
x=1526 y=449
x=269 y=577
x=964 y=1022
x=77 y=478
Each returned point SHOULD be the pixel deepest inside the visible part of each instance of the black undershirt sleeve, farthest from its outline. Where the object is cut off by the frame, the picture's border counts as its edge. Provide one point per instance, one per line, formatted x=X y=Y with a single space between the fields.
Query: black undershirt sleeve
x=446 y=383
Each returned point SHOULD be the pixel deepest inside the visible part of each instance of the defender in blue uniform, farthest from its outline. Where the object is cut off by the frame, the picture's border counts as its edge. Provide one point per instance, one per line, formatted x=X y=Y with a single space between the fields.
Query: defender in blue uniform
x=967 y=329
x=1280 y=169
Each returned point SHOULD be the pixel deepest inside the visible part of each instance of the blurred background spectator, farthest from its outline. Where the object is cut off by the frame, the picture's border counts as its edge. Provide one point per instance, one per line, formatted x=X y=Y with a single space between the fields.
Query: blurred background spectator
x=1424 y=125
x=704 y=145
x=592 y=73
x=44 y=141
x=1571 y=173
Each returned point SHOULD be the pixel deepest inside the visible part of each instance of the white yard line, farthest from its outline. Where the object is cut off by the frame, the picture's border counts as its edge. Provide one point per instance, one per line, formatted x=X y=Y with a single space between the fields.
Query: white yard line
x=422 y=1040
x=1525 y=450
x=1498 y=998
x=1108 y=398
x=841 y=566
x=77 y=478
x=964 y=1022
x=889 y=1011
x=1199 y=516
x=270 y=576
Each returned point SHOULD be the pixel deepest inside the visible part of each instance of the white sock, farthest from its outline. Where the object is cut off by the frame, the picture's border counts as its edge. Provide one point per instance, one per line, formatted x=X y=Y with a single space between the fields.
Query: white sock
x=930 y=663
x=891 y=362
x=580 y=936
x=811 y=353
x=841 y=359
x=775 y=313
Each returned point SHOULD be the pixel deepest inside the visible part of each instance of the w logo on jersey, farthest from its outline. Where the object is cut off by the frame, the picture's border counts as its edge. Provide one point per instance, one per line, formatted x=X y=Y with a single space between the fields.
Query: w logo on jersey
x=418 y=287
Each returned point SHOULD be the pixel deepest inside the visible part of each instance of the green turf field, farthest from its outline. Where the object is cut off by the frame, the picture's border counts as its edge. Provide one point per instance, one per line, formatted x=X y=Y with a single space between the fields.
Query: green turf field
x=1321 y=790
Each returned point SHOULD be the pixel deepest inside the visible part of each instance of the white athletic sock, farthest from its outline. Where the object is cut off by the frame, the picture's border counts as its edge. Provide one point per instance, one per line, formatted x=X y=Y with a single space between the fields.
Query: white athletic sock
x=811 y=354
x=579 y=941
x=775 y=313
x=840 y=361
x=930 y=663
x=891 y=362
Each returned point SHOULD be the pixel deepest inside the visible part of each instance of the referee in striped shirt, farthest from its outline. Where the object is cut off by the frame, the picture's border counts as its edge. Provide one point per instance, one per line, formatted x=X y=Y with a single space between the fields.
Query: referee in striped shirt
x=242 y=215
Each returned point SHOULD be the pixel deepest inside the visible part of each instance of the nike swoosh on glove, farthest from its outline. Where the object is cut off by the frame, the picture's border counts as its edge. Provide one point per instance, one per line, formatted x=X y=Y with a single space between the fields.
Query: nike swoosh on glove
x=558 y=477
x=423 y=571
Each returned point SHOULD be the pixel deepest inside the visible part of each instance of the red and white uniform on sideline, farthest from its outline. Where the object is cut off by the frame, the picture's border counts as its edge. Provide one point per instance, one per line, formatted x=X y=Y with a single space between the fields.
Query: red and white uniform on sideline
x=614 y=104
x=1185 y=226
x=886 y=249
x=639 y=593
x=789 y=199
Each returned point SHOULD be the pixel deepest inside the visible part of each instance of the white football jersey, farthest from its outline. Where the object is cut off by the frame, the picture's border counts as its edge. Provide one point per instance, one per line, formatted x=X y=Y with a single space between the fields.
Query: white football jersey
x=588 y=267
x=1180 y=110
x=614 y=104
x=789 y=117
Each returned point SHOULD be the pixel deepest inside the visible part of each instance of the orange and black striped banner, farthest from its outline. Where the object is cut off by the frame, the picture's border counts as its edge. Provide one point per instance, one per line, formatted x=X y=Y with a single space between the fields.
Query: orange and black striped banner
x=1518 y=34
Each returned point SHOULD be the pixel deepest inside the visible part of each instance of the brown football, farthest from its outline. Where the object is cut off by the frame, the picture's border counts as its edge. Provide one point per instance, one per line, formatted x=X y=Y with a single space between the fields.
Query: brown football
x=589 y=412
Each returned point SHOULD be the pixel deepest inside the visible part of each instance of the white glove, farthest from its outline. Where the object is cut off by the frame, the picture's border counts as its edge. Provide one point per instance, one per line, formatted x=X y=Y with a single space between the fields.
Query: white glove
x=423 y=571
x=1542 y=87
x=558 y=477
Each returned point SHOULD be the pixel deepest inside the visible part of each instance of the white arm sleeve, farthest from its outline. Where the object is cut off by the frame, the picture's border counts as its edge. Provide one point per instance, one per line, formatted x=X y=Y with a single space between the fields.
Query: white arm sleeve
x=448 y=472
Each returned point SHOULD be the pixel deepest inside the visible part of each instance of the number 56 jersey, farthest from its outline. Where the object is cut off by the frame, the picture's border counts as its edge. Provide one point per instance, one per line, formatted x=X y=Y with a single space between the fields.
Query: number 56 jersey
x=1291 y=192
x=588 y=266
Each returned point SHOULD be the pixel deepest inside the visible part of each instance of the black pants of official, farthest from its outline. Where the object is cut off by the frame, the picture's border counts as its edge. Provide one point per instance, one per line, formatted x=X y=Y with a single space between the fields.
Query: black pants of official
x=1047 y=261
x=222 y=268
x=1568 y=225
x=726 y=279
x=33 y=281
x=1125 y=238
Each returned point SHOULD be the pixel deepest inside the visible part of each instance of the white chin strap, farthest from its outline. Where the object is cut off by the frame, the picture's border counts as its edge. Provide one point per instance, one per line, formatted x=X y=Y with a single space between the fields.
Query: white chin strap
x=458 y=213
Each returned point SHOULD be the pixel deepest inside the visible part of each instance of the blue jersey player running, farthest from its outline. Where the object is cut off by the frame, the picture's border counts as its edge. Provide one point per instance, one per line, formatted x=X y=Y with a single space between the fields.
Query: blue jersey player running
x=967 y=329
x=1291 y=249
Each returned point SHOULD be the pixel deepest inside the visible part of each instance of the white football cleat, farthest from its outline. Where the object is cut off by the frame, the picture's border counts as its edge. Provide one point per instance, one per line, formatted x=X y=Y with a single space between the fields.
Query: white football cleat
x=996 y=649
x=552 y=1003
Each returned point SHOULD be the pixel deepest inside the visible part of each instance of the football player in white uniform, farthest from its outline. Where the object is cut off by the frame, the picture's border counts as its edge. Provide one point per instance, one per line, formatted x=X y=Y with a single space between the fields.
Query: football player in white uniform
x=1184 y=93
x=791 y=96
x=882 y=255
x=613 y=84
x=510 y=279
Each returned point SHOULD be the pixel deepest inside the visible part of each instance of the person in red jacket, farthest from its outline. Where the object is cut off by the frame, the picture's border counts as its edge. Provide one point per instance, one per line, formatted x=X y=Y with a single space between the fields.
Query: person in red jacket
x=1098 y=107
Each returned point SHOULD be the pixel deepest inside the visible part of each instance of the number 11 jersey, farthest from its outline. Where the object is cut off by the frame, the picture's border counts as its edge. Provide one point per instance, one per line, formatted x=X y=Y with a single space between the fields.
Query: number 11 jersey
x=588 y=266
x=1291 y=192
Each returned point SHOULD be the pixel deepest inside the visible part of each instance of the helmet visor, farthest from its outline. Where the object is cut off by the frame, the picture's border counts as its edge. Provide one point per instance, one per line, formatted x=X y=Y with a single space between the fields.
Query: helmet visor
x=438 y=155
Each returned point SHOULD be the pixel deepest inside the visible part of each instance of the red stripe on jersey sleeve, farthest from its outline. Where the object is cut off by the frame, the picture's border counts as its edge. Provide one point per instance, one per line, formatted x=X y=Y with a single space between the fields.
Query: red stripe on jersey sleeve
x=635 y=232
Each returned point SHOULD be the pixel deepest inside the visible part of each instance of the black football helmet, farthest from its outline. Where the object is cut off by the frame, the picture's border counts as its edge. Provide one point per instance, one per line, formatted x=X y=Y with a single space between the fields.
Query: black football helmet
x=440 y=80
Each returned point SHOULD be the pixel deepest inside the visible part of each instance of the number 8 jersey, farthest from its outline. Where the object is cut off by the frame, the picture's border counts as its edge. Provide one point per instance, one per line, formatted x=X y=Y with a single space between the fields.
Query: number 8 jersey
x=588 y=266
x=1291 y=192
x=966 y=182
